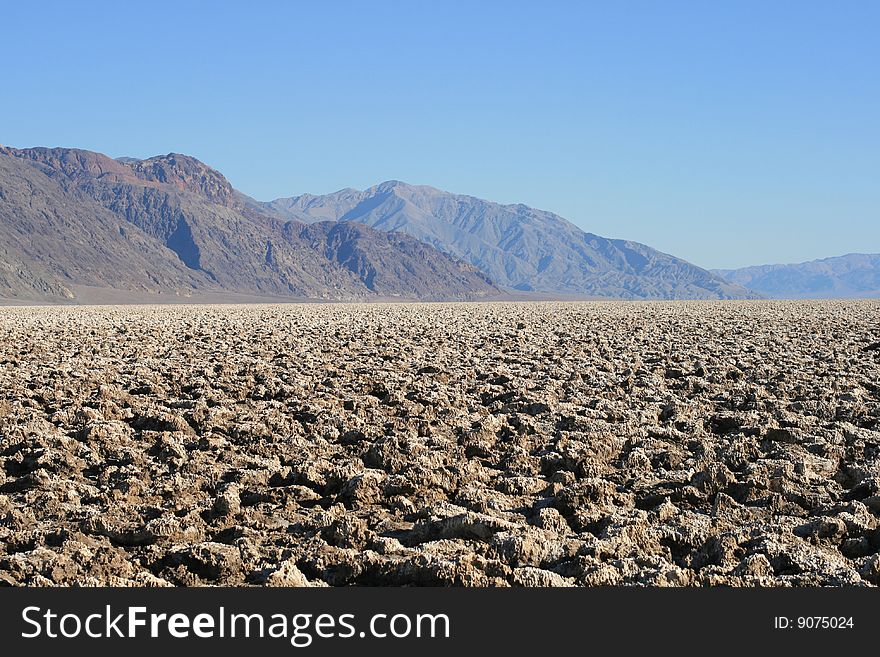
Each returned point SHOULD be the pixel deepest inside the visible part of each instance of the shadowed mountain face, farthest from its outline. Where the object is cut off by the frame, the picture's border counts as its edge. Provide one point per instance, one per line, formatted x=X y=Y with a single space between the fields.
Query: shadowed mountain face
x=172 y=225
x=856 y=275
x=516 y=246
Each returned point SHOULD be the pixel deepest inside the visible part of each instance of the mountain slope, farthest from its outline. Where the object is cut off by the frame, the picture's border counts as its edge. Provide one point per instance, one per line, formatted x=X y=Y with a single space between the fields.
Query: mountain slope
x=170 y=224
x=856 y=275
x=517 y=246
x=52 y=236
x=388 y=261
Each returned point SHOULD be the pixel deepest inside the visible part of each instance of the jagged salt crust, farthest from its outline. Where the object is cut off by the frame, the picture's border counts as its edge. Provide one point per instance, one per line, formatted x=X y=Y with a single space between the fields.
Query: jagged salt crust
x=698 y=443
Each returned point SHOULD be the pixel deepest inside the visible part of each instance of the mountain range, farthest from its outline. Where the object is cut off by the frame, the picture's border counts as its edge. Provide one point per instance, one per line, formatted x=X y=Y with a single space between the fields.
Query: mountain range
x=517 y=246
x=856 y=275
x=75 y=221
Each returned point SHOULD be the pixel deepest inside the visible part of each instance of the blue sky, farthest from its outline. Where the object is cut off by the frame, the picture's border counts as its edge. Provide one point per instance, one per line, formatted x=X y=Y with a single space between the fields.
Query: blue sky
x=728 y=133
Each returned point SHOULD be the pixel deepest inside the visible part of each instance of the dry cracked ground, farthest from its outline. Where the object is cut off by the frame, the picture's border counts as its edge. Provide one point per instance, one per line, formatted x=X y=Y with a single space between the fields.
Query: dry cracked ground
x=550 y=444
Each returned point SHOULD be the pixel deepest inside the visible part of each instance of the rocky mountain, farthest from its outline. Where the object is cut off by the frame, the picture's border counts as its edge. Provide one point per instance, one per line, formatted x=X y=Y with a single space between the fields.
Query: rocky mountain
x=856 y=275
x=172 y=225
x=515 y=245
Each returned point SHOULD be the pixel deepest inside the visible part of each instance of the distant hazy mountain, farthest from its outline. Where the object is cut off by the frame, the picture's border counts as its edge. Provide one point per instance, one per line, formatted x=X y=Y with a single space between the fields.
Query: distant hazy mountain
x=517 y=246
x=170 y=224
x=856 y=275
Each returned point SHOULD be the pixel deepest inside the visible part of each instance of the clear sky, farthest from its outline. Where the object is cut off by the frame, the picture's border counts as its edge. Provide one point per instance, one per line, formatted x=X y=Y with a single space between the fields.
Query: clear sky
x=728 y=133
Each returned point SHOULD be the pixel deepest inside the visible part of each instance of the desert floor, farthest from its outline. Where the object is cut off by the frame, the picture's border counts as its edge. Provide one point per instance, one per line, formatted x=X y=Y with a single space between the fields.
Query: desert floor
x=675 y=443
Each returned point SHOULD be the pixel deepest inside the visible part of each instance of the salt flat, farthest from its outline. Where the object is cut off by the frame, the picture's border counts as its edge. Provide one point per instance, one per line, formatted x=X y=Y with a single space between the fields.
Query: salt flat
x=480 y=444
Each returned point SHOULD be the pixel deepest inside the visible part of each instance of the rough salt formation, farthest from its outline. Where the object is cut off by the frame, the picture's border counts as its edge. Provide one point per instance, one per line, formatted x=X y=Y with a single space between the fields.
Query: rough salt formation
x=669 y=444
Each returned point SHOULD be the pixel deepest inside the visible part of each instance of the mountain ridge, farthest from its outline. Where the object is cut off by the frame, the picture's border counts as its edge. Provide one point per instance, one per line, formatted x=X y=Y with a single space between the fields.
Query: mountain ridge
x=517 y=246
x=853 y=275
x=172 y=224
